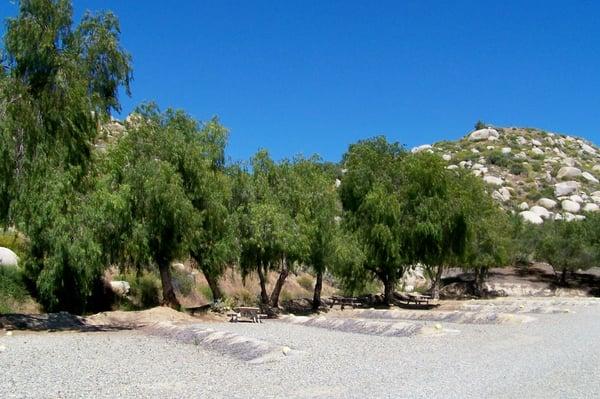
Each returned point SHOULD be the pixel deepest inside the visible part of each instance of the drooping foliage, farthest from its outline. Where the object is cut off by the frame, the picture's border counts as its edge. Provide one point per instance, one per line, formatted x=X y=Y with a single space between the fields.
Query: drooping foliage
x=58 y=83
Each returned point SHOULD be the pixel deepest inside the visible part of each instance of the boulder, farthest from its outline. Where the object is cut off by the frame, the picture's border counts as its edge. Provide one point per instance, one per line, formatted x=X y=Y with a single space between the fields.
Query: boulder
x=523 y=206
x=589 y=177
x=591 y=208
x=596 y=168
x=484 y=134
x=420 y=148
x=338 y=183
x=537 y=151
x=576 y=198
x=521 y=140
x=506 y=150
x=446 y=157
x=565 y=188
x=589 y=149
x=547 y=203
x=474 y=150
x=568 y=172
x=521 y=155
x=8 y=257
x=120 y=288
x=501 y=195
x=536 y=143
x=541 y=212
x=451 y=167
x=570 y=206
x=493 y=180
x=531 y=217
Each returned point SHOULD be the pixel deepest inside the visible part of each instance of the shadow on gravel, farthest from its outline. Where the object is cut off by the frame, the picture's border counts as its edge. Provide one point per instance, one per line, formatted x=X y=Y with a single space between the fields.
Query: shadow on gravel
x=52 y=322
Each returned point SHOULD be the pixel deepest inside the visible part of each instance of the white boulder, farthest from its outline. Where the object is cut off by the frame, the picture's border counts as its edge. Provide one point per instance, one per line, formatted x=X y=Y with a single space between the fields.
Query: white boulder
x=446 y=157
x=547 y=203
x=541 y=212
x=536 y=143
x=493 y=180
x=8 y=257
x=120 y=288
x=591 y=208
x=420 y=148
x=523 y=206
x=531 y=217
x=537 y=151
x=451 y=167
x=568 y=172
x=484 y=134
x=589 y=177
x=589 y=149
x=506 y=150
x=596 y=168
x=565 y=188
x=576 y=198
x=570 y=206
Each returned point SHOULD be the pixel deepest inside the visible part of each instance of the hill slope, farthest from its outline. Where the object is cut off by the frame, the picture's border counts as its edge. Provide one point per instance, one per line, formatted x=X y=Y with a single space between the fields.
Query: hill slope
x=538 y=174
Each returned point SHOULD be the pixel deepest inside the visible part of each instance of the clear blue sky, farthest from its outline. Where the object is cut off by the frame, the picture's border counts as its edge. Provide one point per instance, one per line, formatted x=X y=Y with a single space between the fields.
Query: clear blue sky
x=314 y=76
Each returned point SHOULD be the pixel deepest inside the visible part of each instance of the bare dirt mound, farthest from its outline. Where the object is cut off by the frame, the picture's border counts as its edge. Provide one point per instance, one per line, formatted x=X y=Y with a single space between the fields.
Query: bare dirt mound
x=369 y=327
x=139 y=318
x=244 y=348
x=487 y=316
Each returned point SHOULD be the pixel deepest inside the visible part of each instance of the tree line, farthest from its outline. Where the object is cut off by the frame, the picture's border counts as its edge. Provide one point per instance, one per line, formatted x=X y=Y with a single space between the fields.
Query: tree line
x=164 y=191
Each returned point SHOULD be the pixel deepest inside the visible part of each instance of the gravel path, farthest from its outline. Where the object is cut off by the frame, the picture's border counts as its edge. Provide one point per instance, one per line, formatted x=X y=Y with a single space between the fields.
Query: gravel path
x=557 y=355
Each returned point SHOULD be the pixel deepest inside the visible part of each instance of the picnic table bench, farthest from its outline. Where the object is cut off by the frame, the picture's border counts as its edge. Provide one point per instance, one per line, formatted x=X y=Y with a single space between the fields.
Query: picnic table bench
x=344 y=301
x=251 y=313
x=414 y=297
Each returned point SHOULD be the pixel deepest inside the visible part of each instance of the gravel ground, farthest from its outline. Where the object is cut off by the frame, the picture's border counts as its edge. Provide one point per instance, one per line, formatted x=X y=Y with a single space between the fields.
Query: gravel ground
x=557 y=355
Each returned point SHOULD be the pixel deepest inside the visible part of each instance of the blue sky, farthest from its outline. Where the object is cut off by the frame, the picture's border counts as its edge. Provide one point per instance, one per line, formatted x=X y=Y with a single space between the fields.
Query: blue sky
x=314 y=76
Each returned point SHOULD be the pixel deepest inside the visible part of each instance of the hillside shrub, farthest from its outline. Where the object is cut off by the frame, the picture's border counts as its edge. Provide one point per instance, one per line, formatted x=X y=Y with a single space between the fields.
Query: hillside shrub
x=12 y=289
x=306 y=282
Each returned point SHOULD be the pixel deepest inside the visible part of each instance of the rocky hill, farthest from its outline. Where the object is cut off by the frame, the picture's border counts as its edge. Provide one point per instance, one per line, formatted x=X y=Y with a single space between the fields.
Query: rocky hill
x=538 y=174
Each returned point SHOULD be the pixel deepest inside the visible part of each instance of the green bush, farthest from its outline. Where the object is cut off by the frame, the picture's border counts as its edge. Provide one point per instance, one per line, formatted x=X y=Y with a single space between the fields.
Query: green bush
x=13 y=242
x=206 y=292
x=12 y=289
x=517 y=168
x=183 y=281
x=499 y=159
x=148 y=287
x=480 y=125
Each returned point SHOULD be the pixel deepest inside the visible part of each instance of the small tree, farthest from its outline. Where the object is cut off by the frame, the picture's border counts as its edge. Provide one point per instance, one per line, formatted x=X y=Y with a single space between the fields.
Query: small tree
x=370 y=194
x=480 y=125
x=564 y=246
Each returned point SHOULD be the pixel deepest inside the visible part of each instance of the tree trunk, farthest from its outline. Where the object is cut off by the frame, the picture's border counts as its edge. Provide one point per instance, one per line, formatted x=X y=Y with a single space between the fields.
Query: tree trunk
x=317 y=296
x=437 y=282
x=480 y=274
x=388 y=290
x=169 y=298
x=264 y=297
x=278 y=286
x=213 y=283
x=563 y=277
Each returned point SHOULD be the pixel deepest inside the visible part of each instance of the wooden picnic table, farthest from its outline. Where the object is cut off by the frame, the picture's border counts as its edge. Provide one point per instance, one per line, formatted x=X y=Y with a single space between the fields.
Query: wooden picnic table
x=418 y=298
x=344 y=301
x=248 y=312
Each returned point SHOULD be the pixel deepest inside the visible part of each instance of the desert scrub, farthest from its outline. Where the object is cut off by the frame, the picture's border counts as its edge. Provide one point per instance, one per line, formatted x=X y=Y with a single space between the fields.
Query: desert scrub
x=205 y=291
x=306 y=281
x=12 y=289
x=499 y=159
x=183 y=281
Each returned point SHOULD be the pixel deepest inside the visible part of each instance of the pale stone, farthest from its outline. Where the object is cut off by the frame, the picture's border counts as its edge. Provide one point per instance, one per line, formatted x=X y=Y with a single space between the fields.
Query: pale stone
x=420 y=148
x=565 y=188
x=591 y=208
x=570 y=206
x=521 y=155
x=568 y=172
x=506 y=150
x=531 y=217
x=451 y=167
x=338 y=183
x=537 y=151
x=474 y=150
x=596 y=168
x=521 y=140
x=536 y=143
x=483 y=134
x=493 y=180
x=589 y=177
x=446 y=157
x=120 y=288
x=576 y=198
x=8 y=257
x=541 y=212
x=588 y=149
x=523 y=206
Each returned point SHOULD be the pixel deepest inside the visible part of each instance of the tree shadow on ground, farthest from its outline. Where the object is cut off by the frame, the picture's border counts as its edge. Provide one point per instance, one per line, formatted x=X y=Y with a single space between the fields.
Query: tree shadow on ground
x=53 y=322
